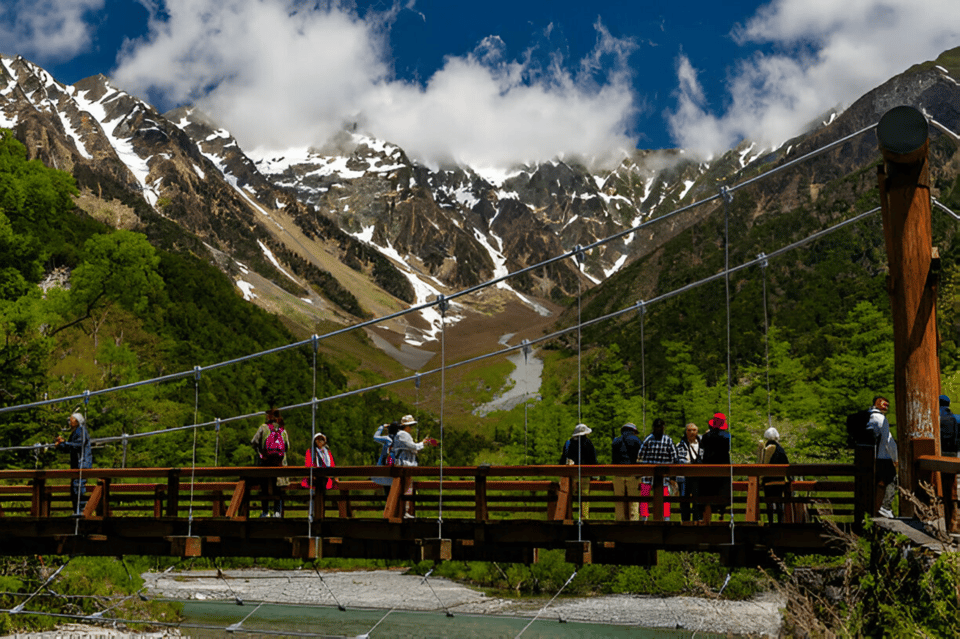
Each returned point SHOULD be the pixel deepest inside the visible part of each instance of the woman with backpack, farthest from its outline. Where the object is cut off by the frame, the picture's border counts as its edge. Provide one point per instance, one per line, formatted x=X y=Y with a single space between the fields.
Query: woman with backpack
x=270 y=446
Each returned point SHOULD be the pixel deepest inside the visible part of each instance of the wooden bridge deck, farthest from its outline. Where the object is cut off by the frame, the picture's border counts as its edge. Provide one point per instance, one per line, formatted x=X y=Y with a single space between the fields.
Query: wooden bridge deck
x=503 y=514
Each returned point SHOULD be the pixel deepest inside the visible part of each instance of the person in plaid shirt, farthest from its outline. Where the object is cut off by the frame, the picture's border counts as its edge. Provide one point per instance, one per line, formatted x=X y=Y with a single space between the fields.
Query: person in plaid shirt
x=657 y=448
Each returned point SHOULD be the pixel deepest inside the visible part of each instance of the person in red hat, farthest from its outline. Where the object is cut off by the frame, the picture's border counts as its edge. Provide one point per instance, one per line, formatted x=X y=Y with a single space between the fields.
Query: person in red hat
x=715 y=447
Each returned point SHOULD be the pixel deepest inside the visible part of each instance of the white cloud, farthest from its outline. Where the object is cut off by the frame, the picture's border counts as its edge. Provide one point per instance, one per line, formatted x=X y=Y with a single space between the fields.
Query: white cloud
x=276 y=77
x=46 y=30
x=826 y=54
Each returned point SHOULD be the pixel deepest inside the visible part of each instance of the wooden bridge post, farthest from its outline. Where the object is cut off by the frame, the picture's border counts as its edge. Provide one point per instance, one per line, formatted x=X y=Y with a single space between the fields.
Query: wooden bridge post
x=904 y=180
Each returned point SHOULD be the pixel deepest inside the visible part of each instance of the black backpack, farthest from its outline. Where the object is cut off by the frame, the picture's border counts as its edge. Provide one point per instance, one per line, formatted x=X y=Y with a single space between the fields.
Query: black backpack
x=857 y=432
x=948 y=433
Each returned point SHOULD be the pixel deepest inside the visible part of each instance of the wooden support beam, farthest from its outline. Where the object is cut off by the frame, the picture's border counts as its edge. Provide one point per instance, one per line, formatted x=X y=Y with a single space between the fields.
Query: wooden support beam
x=904 y=180
x=185 y=546
x=238 y=501
x=435 y=549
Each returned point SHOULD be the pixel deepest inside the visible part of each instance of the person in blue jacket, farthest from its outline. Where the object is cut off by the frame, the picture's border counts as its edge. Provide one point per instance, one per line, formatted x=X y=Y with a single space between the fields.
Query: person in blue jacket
x=81 y=456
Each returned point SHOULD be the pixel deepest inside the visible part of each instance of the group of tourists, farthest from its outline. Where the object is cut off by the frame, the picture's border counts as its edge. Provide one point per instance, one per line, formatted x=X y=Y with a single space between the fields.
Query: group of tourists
x=398 y=447
x=656 y=448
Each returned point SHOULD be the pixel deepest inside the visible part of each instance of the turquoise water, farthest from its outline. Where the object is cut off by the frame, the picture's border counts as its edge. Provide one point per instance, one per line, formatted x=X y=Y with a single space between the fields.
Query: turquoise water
x=273 y=620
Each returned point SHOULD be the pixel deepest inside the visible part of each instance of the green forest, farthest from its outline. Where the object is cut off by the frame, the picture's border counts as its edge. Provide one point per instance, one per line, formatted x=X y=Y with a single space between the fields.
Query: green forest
x=135 y=312
x=810 y=339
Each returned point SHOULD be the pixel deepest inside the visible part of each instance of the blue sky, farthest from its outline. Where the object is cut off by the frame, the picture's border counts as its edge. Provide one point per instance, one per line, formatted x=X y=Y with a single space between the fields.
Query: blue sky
x=494 y=82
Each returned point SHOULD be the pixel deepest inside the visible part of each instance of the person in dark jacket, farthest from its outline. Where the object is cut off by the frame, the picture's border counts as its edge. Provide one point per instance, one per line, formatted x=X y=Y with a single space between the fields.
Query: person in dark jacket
x=81 y=456
x=949 y=432
x=774 y=488
x=715 y=447
x=579 y=451
x=626 y=449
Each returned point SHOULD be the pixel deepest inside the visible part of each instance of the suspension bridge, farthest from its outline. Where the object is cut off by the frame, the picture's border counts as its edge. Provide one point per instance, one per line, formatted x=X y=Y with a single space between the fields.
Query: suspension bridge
x=487 y=513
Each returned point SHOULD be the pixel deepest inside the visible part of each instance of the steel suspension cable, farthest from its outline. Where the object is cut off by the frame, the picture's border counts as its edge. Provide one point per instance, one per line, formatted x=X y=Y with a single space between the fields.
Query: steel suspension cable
x=464 y=292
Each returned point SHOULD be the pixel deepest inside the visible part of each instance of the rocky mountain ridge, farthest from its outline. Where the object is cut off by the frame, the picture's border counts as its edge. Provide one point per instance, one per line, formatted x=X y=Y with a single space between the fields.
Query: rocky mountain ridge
x=356 y=229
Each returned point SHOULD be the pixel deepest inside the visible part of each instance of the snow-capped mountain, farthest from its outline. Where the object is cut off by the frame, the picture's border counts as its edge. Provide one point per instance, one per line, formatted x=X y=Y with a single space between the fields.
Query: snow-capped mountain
x=356 y=229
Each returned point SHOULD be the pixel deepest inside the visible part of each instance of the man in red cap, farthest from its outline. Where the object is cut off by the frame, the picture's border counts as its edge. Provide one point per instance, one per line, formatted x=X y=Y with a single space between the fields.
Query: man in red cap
x=715 y=446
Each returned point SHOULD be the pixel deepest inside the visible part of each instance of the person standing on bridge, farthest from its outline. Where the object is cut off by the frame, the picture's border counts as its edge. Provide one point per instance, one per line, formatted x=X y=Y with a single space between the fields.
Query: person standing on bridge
x=774 y=488
x=688 y=450
x=81 y=456
x=405 y=452
x=887 y=455
x=319 y=456
x=715 y=445
x=949 y=434
x=270 y=445
x=657 y=448
x=579 y=451
x=385 y=439
x=626 y=450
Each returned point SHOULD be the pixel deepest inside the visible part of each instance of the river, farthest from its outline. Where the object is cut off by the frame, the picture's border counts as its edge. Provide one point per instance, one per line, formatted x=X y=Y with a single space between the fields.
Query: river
x=291 y=620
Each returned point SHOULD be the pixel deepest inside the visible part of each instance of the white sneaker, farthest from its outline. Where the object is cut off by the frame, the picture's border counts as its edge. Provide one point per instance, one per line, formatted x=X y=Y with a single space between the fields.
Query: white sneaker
x=886 y=512
x=408 y=516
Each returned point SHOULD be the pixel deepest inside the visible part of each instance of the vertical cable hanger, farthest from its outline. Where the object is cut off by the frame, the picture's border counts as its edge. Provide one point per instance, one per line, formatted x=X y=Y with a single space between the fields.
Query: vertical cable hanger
x=579 y=258
x=727 y=200
x=642 y=310
x=764 y=263
x=193 y=462
x=525 y=347
x=313 y=431
x=443 y=304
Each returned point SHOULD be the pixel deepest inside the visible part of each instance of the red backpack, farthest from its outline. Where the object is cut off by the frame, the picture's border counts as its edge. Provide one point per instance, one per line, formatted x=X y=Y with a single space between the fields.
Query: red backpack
x=274 y=448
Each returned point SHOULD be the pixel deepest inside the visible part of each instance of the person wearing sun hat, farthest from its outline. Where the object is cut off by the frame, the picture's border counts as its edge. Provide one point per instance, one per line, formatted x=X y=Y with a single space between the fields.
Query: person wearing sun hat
x=579 y=450
x=715 y=445
x=319 y=456
x=405 y=452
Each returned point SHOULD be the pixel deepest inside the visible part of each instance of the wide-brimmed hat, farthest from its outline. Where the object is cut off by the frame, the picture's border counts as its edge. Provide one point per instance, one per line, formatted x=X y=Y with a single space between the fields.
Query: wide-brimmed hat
x=719 y=421
x=581 y=429
x=407 y=420
x=629 y=426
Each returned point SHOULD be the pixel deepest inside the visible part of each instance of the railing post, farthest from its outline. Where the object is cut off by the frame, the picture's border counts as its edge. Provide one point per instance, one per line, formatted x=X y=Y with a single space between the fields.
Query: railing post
x=173 y=492
x=38 y=505
x=480 y=493
x=753 y=499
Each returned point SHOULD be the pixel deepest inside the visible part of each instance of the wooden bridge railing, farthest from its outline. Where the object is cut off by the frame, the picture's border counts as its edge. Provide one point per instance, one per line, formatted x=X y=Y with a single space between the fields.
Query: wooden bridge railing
x=477 y=493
